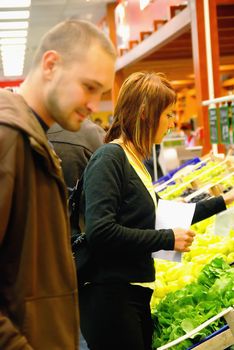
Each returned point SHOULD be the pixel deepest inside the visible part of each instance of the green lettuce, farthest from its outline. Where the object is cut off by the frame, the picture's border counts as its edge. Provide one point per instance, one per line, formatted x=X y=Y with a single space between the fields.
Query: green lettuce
x=182 y=311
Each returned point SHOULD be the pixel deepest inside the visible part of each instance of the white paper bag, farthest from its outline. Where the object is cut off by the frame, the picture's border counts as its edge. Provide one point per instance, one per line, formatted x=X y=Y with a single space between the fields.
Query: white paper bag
x=172 y=214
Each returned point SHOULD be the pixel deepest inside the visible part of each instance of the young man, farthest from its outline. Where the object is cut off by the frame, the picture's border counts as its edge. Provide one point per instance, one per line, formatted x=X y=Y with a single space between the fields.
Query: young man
x=72 y=68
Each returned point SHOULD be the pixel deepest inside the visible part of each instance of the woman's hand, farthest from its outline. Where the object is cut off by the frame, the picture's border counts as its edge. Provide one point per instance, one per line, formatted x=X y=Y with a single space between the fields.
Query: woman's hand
x=228 y=197
x=183 y=239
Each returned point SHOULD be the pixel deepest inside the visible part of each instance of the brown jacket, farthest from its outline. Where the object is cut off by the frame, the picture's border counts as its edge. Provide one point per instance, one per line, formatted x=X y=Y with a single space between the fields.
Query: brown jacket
x=38 y=289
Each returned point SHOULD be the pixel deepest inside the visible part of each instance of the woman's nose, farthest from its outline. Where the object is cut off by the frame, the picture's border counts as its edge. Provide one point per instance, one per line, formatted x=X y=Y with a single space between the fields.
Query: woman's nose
x=171 y=123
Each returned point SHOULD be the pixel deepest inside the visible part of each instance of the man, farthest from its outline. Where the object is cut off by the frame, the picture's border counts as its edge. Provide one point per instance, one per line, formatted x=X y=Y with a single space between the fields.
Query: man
x=72 y=68
x=75 y=148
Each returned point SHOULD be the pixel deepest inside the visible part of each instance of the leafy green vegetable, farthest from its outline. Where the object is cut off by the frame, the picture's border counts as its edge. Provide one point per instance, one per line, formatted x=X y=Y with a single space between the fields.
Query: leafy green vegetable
x=212 y=271
x=181 y=311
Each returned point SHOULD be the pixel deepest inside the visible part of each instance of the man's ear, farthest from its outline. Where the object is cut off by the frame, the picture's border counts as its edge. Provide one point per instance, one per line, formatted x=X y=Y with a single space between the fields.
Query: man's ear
x=50 y=61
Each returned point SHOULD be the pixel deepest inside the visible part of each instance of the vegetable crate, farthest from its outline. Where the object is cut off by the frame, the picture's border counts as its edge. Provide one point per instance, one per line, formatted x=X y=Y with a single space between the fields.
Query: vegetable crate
x=219 y=340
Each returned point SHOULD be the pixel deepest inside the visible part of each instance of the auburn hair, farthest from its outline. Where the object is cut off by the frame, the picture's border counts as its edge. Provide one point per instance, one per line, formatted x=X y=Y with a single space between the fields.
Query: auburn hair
x=142 y=99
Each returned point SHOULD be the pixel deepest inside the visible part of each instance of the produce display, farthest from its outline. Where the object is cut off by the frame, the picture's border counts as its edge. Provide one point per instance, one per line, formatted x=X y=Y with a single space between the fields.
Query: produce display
x=227 y=182
x=206 y=246
x=172 y=276
x=185 y=309
x=199 y=197
x=202 y=284
x=208 y=243
x=211 y=173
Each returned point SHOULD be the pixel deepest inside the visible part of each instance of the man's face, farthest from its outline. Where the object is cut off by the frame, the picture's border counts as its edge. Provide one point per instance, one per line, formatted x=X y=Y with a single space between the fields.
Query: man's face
x=75 y=89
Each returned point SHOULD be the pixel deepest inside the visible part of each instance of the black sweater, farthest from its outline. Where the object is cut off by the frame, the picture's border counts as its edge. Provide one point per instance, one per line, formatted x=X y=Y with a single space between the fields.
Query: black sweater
x=120 y=218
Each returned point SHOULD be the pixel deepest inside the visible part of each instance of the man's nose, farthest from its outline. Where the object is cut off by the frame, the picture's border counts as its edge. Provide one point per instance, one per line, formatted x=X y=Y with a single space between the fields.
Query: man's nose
x=93 y=105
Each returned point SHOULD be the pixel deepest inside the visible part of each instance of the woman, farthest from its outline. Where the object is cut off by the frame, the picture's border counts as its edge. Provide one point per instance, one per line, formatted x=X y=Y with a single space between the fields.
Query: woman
x=120 y=206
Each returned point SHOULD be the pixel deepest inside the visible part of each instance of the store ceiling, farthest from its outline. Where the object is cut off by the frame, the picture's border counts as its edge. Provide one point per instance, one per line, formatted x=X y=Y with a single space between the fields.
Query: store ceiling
x=176 y=57
x=46 y=13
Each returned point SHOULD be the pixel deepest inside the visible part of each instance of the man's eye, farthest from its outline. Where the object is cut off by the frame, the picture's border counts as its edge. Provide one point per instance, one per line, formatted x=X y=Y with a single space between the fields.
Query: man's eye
x=90 y=88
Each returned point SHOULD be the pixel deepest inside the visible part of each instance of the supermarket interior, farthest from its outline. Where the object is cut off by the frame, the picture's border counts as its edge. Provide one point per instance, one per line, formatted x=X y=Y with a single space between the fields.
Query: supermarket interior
x=191 y=42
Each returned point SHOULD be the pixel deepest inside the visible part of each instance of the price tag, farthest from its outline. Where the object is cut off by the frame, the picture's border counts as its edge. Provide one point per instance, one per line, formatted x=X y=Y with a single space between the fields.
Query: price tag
x=224 y=124
x=213 y=125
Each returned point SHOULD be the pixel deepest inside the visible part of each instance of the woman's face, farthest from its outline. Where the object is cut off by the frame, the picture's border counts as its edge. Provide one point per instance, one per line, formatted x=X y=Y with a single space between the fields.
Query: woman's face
x=166 y=122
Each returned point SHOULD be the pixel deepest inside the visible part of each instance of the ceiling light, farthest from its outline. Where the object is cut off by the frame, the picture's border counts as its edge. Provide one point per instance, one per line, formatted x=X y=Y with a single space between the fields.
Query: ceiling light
x=15 y=3
x=14 y=14
x=9 y=48
x=12 y=41
x=13 y=60
x=13 y=33
x=14 y=25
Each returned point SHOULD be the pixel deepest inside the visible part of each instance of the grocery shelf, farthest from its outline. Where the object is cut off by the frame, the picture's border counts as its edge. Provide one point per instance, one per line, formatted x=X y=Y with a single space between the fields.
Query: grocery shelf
x=203 y=180
x=177 y=176
x=198 y=192
x=220 y=341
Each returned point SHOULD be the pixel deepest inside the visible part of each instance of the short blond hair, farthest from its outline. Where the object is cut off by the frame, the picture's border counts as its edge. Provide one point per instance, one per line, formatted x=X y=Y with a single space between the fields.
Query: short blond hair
x=142 y=93
x=71 y=39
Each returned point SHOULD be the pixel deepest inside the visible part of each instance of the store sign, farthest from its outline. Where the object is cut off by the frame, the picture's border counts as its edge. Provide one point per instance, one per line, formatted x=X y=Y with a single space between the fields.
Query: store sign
x=213 y=125
x=224 y=125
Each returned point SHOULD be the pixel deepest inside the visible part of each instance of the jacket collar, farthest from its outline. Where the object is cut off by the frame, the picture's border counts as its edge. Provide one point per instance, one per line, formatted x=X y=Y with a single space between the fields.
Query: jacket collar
x=15 y=112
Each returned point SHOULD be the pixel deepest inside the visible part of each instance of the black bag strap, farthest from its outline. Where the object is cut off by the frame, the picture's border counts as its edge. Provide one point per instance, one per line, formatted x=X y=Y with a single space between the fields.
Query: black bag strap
x=74 y=204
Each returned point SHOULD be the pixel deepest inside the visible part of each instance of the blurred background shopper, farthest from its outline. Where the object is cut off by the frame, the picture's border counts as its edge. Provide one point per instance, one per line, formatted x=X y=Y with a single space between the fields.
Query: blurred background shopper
x=75 y=148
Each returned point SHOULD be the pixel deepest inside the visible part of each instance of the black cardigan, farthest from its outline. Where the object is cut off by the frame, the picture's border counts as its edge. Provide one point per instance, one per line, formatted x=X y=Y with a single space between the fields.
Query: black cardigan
x=120 y=218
